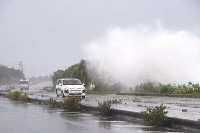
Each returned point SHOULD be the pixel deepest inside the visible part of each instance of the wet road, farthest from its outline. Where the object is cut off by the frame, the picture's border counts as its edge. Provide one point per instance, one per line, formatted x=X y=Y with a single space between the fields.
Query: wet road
x=17 y=117
x=133 y=103
x=141 y=103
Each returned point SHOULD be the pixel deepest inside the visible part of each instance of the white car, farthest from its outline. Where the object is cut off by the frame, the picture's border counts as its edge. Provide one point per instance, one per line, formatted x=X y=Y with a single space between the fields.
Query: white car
x=24 y=84
x=3 y=86
x=70 y=87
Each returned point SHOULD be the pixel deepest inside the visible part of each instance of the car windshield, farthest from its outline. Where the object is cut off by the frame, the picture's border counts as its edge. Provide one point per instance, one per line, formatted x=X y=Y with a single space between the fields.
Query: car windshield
x=72 y=82
x=23 y=82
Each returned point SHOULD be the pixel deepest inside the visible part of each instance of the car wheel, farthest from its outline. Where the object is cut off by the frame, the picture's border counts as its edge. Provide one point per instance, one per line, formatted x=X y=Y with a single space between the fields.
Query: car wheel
x=21 y=90
x=83 y=97
x=57 y=94
x=63 y=95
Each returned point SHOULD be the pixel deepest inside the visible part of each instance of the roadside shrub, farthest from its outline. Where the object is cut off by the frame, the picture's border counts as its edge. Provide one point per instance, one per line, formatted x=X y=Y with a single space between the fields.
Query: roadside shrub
x=51 y=101
x=149 y=87
x=24 y=97
x=116 y=87
x=72 y=103
x=156 y=116
x=104 y=107
x=14 y=95
x=87 y=90
x=115 y=101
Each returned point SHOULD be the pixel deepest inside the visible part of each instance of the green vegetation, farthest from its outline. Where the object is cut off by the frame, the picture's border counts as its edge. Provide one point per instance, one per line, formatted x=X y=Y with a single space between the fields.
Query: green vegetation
x=156 y=116
x=57 y=75
x=107 y=87
x=115 y=101
x=51 y=101
x=10 y=75
x=150 y=87
x=72 y=104
x=116 y=87
x=78 y=71
x=86 y=72
x=16 y=95
x=104 y=107
x=87 y=90
x=24 y=97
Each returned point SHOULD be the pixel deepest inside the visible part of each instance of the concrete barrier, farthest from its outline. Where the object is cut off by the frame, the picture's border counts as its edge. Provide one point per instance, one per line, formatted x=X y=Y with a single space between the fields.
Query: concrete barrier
x=149 y=94
x=175 y=123
x=159 y=95
x=186 y=125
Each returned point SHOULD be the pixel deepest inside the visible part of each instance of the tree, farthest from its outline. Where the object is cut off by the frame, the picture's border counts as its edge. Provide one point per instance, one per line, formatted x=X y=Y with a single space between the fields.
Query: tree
x=57 y=75
x=10 y=75
x=78 y=71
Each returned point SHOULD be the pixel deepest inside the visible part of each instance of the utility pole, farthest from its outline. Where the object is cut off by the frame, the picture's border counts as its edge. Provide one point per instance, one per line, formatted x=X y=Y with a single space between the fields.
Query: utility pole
x=21 y=66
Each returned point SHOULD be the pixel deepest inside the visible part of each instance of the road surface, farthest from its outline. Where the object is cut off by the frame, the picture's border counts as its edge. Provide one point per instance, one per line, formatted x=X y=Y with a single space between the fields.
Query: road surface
x=133 y=103
x=18 y=117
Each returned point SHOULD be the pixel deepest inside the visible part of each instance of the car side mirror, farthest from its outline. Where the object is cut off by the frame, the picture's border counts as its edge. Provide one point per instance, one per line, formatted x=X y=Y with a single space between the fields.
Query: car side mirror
x=60 y=84
x=83 y=84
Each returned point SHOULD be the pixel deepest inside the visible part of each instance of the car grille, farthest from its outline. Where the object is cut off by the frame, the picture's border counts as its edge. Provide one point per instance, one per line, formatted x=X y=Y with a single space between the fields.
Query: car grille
x=75 y=92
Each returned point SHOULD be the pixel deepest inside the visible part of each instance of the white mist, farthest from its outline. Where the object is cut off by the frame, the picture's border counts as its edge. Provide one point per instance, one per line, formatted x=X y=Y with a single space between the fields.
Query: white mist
x=141 y=54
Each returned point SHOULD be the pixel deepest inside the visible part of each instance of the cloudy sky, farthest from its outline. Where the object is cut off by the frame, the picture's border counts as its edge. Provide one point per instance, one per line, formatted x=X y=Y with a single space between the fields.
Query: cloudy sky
x=47 y=35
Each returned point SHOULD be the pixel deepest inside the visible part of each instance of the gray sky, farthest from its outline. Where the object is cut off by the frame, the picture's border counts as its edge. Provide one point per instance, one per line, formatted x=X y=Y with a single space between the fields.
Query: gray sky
x=47 y=35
